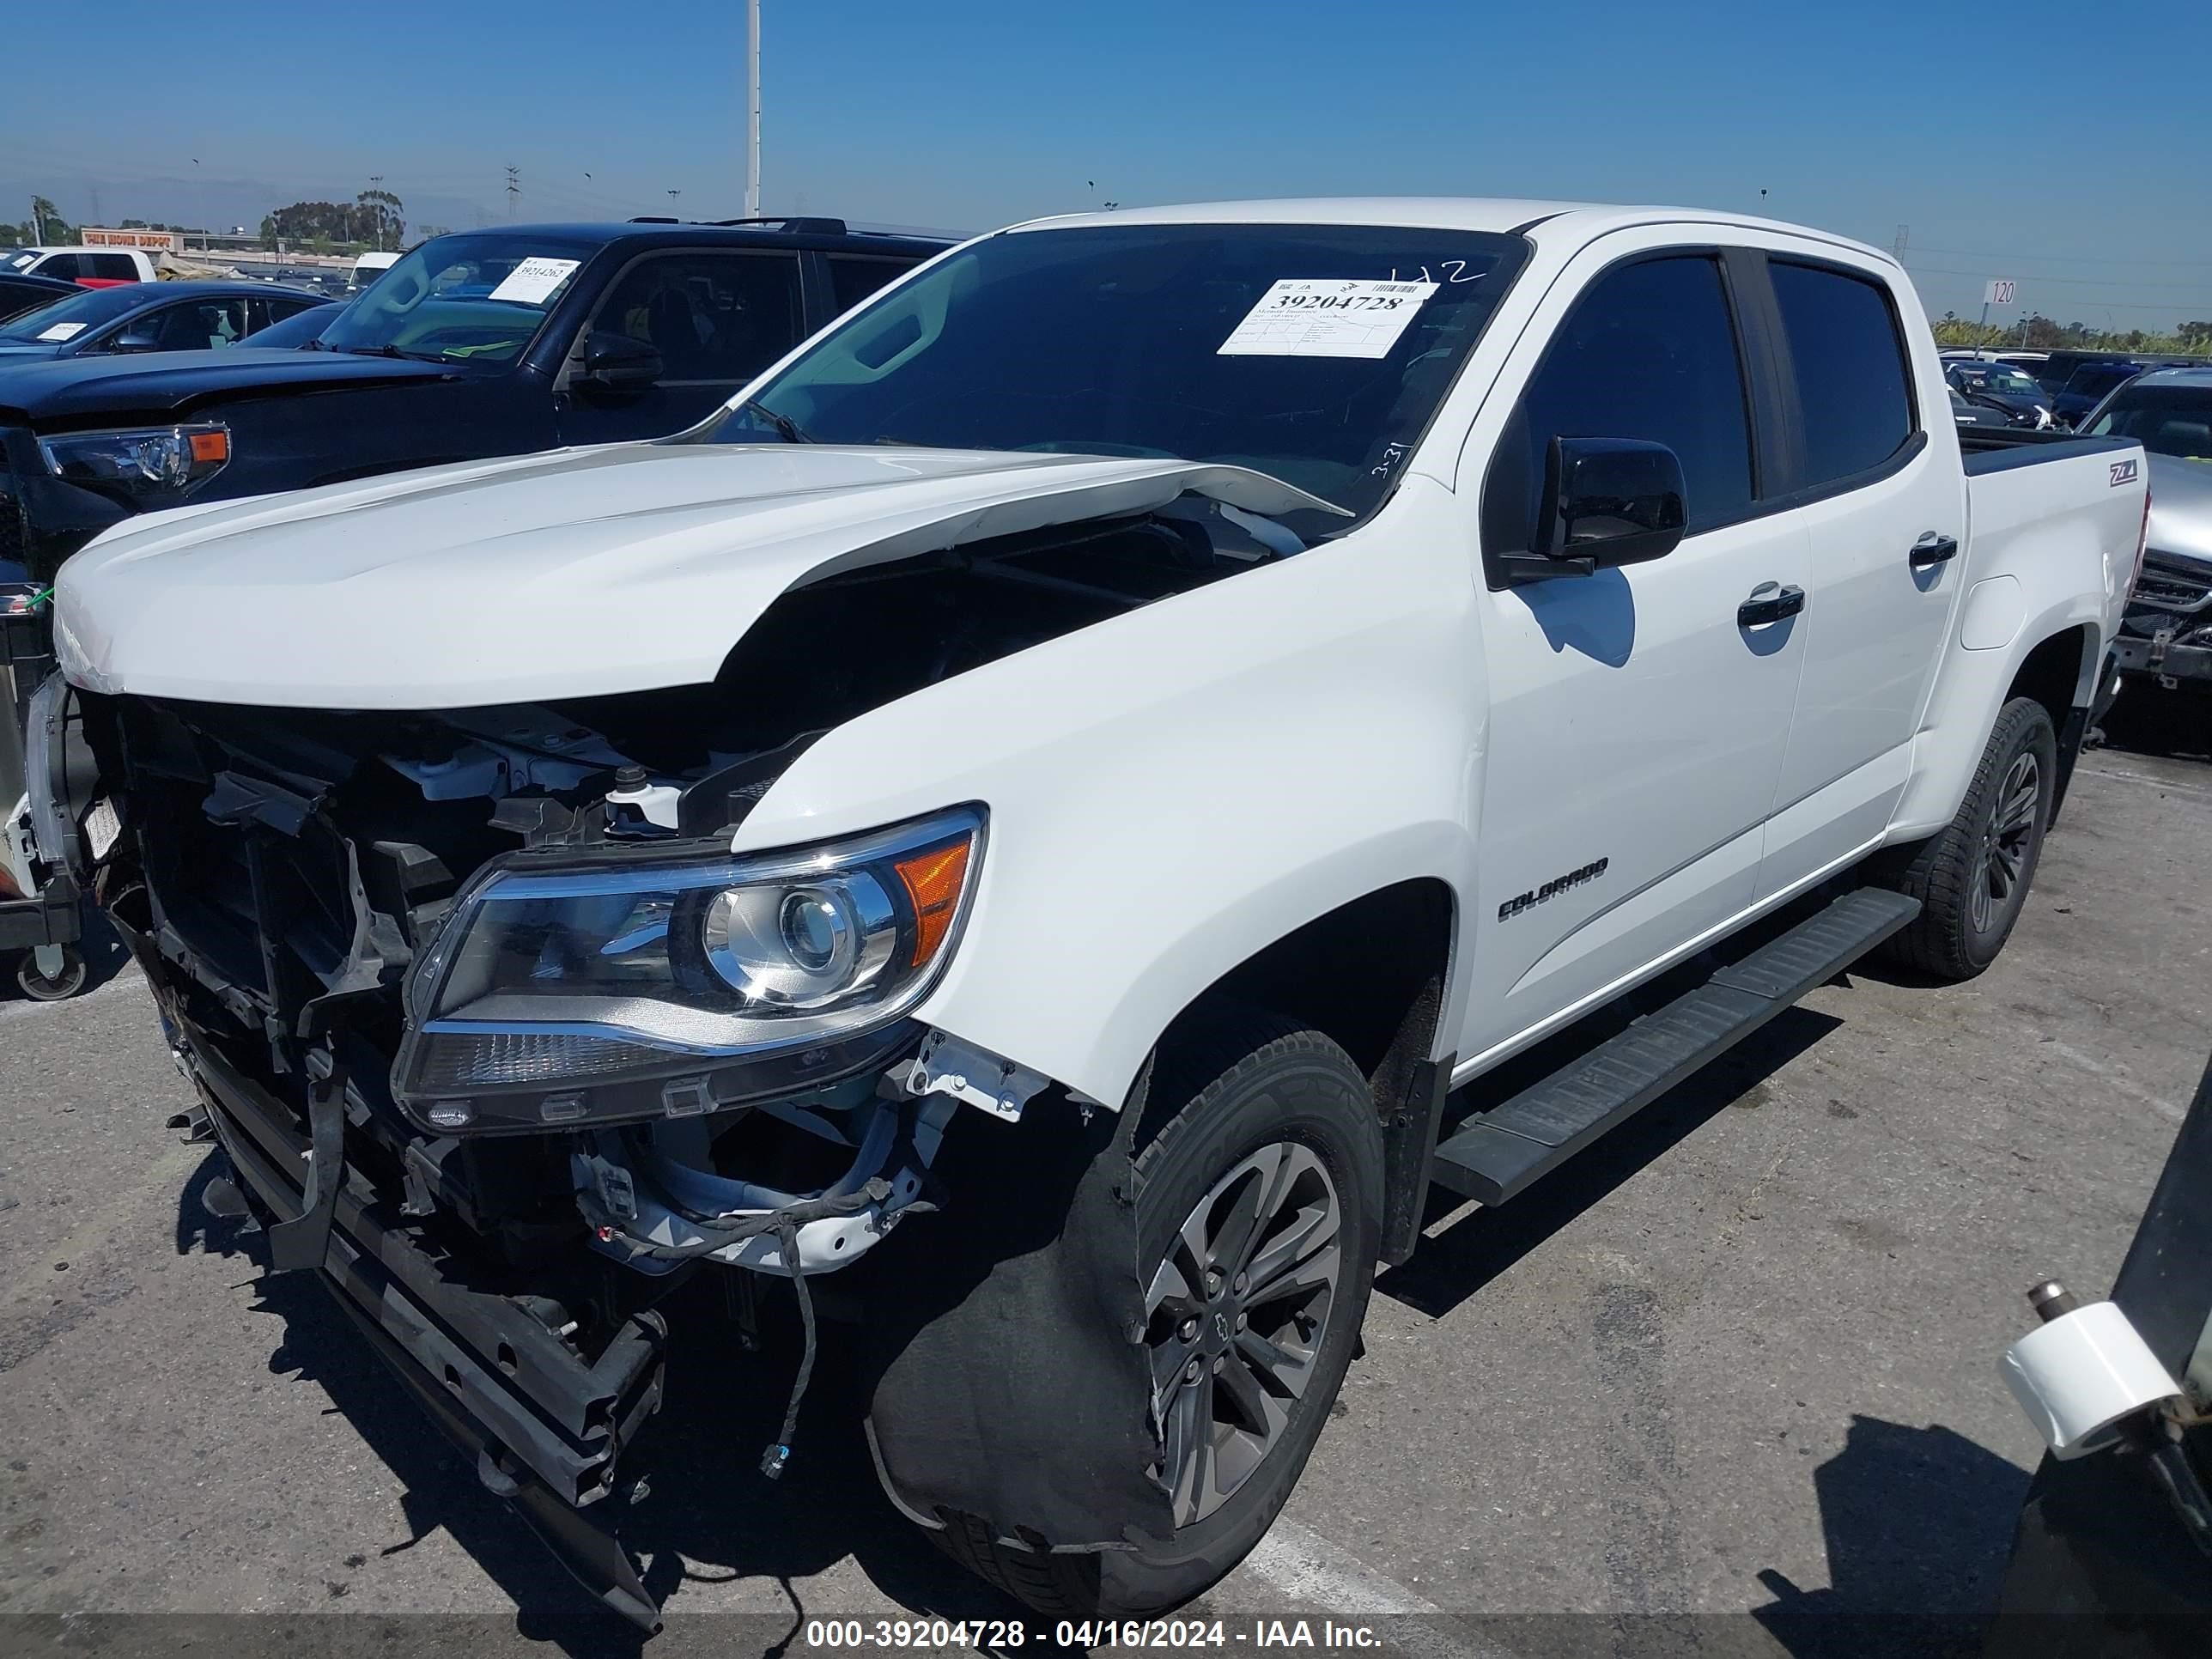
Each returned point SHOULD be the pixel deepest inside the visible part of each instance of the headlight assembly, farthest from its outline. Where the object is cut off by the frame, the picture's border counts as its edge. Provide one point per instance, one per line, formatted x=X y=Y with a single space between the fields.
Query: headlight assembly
x=658 y=982
x=144 y=462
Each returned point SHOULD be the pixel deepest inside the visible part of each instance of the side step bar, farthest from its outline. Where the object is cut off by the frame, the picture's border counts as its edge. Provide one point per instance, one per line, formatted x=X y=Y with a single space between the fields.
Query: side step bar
x=1498 y=1153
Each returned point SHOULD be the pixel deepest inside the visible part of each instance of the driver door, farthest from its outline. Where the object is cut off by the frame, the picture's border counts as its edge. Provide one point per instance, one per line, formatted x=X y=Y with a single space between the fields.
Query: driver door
x=1637 y=722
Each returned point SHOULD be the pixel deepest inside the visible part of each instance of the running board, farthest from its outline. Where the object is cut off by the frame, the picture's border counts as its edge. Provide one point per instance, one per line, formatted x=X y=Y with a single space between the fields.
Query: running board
x=1500 y=1152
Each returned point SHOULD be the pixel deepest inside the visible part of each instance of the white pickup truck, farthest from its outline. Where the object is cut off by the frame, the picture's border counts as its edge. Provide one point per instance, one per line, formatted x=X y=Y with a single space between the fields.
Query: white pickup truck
x=1091 y=765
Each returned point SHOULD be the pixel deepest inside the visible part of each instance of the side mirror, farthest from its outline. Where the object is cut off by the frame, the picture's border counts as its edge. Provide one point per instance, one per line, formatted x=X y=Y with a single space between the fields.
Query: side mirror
x=135 y=339
x=1607 y=501
x=616 y=362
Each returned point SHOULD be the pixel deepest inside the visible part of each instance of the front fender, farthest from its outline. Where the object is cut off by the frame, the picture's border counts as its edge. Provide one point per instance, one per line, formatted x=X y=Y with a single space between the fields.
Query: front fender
x=1177 y=787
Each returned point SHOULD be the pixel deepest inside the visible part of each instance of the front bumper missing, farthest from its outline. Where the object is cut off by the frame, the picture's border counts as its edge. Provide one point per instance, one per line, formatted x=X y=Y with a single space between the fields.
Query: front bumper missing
x=2163 y=658
x=544 y=1428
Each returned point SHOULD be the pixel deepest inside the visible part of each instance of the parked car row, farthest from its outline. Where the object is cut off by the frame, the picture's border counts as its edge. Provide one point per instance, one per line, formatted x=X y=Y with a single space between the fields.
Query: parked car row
x=1072 y=783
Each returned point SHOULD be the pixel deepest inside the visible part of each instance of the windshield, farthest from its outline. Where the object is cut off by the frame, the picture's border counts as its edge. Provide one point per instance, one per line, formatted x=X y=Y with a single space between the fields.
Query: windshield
x=2165 y=420
x=64 y=319
x=297 y=330
x=18 y=259
x=2097 y=381
x=2004 y=382
x=477 y=297
x=1314 y=354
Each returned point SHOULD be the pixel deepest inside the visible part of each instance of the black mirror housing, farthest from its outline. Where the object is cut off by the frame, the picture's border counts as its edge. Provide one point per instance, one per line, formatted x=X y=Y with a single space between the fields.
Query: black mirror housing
x=134 y=340
x=1608 y=501
x=618 y=361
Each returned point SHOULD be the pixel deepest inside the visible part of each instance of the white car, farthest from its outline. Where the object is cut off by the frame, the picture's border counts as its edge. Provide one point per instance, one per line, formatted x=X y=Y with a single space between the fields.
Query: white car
x=90 y=267
x=1068 y=788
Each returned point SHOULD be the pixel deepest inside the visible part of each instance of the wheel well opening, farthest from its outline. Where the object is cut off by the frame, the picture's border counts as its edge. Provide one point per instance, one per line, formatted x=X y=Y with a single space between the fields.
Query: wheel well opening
x=1369 y=974
x=2052 y=673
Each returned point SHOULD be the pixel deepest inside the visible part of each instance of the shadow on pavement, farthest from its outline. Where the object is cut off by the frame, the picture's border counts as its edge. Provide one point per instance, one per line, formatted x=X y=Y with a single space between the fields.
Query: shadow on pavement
x=2147 y=720
x=1448 y=1269
x=710 y=1517
x=1919 y=1523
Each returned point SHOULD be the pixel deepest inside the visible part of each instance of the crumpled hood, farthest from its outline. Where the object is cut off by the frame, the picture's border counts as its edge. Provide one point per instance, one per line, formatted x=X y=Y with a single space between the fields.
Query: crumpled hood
x=578 y=573
x=2181 y=507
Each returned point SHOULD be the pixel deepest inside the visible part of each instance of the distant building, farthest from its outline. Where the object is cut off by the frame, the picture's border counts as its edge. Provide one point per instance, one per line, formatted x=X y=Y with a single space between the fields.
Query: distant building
x=154 y=241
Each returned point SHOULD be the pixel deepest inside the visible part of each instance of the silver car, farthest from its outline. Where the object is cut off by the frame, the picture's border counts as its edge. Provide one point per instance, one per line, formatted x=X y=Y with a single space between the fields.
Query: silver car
x=2167 y=634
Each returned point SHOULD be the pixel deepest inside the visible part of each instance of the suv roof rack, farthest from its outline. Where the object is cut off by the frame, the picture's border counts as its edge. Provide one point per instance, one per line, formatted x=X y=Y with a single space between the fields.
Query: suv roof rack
x=814 y=227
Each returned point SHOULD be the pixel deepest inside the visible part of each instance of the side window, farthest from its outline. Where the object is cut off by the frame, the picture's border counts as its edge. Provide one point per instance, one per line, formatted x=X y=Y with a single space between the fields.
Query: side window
x=1648 y=352
x=852 y=278
x=711 y=317
x=197 y=327
x=1853 y=386
x=120 y=267
x=62 y=267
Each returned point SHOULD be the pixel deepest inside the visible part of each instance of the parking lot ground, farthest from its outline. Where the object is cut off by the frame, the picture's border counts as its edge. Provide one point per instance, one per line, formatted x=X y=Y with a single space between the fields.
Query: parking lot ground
x=1738 y=1359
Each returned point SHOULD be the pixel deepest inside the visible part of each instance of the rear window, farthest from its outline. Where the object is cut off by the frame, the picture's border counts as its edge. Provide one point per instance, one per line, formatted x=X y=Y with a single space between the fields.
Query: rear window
x=2170 y=418
x=118 y=267
x=1852 y=384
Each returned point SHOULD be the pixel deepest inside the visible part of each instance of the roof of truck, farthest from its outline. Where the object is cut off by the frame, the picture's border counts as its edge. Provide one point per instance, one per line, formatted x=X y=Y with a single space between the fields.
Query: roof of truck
x=1477 y=213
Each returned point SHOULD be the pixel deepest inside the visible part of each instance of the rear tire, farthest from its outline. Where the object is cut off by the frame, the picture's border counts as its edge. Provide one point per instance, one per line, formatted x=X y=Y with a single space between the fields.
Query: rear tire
x=1245 y=1107
x=1972 y=878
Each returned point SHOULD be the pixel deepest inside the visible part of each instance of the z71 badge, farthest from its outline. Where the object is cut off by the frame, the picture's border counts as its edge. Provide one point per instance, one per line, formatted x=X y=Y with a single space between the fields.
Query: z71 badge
x=2123 y=472
x=1552 y=889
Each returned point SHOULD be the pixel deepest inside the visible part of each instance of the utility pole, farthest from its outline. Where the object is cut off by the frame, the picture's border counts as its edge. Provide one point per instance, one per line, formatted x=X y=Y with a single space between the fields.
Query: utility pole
x=513 y=188
x=37 y=222
x=752 y=109
x=1897 y=245
x=672 y=195
x=376 y=184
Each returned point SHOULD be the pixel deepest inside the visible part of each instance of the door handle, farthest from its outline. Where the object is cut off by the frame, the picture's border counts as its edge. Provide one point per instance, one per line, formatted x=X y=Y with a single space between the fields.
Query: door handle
x=1764 y=606
x=1933 y=549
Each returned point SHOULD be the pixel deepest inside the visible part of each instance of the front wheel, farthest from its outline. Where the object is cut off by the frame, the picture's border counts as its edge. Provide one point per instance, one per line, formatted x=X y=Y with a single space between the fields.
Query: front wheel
x=1258 y=1185
x=1972 y=878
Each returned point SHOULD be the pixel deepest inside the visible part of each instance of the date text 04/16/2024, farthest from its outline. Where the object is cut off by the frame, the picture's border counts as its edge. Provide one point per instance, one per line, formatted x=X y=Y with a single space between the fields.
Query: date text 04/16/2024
x=992 y=1635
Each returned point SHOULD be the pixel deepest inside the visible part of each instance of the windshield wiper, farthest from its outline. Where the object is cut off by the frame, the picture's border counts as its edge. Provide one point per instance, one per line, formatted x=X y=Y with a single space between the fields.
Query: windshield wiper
x=787 y=428
x=386 y=351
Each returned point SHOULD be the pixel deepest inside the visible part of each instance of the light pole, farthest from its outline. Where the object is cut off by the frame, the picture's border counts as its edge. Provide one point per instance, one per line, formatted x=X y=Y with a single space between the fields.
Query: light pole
x=752 y=109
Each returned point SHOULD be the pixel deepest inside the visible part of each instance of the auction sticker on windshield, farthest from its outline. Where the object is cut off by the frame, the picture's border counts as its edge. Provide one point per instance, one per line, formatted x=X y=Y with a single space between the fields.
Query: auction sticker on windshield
x=529 y=282
x=63 y=331
x=1327 y=317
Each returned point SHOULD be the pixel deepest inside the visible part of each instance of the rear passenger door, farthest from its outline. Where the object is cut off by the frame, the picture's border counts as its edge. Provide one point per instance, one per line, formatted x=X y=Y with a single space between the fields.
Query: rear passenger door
x=1637 y=723
x=717 y=317
x=1875 y=482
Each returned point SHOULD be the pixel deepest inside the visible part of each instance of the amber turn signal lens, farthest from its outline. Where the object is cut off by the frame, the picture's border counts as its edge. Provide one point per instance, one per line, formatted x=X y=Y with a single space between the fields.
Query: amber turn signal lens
x=211 y=446
x=933 y=880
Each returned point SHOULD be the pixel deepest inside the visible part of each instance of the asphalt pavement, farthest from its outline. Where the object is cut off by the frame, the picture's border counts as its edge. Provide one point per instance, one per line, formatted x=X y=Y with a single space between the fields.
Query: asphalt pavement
x=1738 y=1359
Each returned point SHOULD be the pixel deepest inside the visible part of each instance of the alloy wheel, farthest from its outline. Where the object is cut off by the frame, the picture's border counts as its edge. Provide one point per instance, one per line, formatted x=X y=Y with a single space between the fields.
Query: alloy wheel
x=2007 y=837
x=1236 y=1317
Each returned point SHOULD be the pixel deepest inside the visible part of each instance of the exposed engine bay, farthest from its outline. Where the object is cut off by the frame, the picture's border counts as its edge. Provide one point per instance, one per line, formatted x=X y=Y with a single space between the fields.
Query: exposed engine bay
x=288 y=879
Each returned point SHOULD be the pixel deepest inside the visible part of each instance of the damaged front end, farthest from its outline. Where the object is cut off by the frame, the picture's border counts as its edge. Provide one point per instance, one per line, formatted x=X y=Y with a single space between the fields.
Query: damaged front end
x=498 y=1032
x=494 y=1035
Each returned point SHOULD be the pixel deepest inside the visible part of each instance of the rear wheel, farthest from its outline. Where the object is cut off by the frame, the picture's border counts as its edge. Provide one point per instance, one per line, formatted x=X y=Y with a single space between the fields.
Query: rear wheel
x=1972 y=878
x=1259 y=1193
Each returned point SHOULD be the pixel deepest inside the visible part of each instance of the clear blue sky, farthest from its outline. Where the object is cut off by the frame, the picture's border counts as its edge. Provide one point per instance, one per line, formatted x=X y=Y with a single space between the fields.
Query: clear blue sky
x=1978 y=126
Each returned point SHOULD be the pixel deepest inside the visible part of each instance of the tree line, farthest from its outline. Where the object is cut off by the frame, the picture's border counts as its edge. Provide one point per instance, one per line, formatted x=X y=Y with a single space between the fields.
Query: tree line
x=2040 y=333
x=374 y=218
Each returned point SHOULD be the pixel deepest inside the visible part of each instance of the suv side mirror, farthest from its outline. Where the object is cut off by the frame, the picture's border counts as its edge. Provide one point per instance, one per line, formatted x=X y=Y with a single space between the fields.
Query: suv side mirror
x=619 y=362
x=1607 y=501
x=140 y=338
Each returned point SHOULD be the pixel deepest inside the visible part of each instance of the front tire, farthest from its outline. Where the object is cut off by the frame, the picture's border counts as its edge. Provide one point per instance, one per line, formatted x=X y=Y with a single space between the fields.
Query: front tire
x=1972 y=878
x=1258 y=1180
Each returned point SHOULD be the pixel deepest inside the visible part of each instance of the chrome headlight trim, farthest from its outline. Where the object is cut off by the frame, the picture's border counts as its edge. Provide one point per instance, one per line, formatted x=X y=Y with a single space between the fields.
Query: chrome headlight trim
x=769 y=1025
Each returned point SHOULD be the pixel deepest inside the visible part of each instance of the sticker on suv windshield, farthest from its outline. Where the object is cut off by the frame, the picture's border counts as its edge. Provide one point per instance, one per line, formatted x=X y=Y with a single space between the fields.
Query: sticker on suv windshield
x=1327 y=317
x=529 y=282
x=63 y=331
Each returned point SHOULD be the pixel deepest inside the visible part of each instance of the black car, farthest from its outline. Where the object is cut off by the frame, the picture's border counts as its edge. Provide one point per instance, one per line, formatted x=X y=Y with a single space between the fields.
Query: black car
x=21 y=292
x=141 y=317
x=2000 y=386
x=2089 y=386
x=480 y=344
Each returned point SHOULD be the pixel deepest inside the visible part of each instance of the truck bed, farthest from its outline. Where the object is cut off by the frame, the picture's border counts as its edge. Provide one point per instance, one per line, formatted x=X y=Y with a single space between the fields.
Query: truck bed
x=1999 y=449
